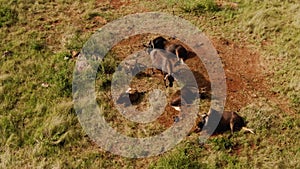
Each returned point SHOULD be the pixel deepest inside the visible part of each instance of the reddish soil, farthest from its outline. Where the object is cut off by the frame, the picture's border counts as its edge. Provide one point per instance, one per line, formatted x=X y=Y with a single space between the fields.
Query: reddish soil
x=116 y=4
x=244 y=74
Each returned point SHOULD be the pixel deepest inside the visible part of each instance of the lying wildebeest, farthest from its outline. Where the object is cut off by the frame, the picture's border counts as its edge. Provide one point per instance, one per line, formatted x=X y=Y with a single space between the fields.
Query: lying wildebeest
x=229 y=121
x=134 y=97
x=177 y=49
x=186 y=91
x=188 y=94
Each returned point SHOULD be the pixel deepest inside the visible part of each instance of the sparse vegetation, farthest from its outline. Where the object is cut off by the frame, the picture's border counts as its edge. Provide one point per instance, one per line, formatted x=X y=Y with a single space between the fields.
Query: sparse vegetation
x=39 y=127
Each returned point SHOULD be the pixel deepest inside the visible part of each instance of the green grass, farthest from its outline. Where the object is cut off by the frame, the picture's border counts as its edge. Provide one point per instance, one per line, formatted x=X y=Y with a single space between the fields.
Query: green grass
x=278 y=23
x=8 y=16
x=39 y=127
x=198 y=7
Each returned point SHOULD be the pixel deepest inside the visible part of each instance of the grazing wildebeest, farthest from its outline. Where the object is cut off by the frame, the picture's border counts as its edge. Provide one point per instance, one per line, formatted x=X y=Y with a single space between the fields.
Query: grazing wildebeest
x=177 y=49
x=229 y=121
x=164 y=60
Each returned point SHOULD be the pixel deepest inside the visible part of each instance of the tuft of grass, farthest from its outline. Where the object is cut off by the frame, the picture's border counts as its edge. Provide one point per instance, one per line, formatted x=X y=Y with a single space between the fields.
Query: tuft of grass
x=221 y=144
x=200 y=6
x=8 y=16
x=179 y=158
x=76 y=41
x=37 y=46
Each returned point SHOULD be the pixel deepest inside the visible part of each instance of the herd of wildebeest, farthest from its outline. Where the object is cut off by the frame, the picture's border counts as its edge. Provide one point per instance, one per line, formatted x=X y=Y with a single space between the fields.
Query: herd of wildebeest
x=169 y=57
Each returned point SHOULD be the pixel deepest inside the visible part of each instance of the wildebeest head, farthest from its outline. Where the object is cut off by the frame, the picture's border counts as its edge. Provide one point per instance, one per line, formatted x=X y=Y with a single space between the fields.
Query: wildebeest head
x=131 y=96
x=158 y=43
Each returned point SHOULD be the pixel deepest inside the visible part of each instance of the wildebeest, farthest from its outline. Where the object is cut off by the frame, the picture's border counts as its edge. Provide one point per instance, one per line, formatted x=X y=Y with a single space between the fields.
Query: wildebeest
x=186 y=91
x=229 y=121
x=133 y=96
x=188 y=94
x=164 y=60
x=177 y=49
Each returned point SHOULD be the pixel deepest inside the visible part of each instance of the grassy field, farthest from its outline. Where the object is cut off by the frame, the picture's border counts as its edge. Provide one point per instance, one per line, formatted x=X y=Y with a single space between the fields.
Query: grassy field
x=39 y=127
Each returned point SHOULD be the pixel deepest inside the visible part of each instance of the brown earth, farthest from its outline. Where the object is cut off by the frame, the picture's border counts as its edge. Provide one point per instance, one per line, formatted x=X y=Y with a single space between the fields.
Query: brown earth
x=245 y=79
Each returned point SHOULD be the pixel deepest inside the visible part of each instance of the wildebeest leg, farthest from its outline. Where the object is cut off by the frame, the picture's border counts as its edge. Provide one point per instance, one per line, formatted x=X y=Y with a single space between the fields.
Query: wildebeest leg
x=232 y=124
x=165 y=81
x=167 y=78
x=180 y=60
x=170 y=80
x=231 y=127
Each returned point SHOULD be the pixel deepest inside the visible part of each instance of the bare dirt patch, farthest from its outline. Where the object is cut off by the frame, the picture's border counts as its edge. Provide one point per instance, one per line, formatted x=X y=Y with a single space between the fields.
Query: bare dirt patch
x=154 y=80
x=245 y=76
x=243 y=73
x=245 y=79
